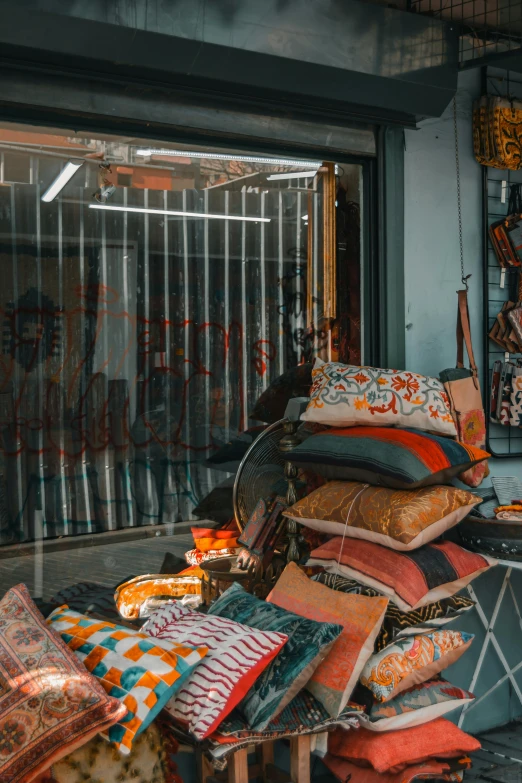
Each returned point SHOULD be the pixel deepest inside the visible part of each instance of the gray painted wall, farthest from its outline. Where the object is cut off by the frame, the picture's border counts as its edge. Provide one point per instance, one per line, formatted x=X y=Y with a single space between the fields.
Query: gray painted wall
x=432 y=276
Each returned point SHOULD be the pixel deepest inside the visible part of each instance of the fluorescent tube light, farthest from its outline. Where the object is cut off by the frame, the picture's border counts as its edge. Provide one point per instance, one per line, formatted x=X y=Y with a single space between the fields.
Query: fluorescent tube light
x=179 y=213
x=147 y=152
x=67 y=173
x=294 y=175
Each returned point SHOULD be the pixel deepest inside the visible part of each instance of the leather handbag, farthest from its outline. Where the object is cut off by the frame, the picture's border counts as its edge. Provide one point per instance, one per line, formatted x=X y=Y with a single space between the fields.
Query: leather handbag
x=463 y=389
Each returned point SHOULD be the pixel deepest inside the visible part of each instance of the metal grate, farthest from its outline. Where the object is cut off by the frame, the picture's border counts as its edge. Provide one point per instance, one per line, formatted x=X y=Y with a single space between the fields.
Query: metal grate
x=488 y=27
x=498 y=288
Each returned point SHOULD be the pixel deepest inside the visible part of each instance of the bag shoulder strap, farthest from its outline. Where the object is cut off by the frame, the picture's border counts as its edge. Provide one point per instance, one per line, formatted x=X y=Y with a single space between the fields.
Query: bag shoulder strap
x=464 y=333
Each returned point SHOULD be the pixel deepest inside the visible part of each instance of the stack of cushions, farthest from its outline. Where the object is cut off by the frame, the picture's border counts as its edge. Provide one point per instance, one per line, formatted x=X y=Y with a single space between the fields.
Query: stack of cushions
x=210 y=544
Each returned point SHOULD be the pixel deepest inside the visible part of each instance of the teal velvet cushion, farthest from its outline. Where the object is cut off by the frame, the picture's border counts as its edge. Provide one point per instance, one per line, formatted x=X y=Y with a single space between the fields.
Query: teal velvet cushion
x=308 y=643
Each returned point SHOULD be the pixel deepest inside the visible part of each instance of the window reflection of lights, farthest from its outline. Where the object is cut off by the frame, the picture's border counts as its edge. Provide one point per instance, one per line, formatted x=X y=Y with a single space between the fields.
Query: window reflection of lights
x=148 y=152
x=66 y=174
x=294 y=175
x=180 y=213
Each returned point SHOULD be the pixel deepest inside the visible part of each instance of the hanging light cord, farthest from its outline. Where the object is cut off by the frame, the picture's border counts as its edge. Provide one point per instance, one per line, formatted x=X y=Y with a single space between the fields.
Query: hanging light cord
x=463 y=277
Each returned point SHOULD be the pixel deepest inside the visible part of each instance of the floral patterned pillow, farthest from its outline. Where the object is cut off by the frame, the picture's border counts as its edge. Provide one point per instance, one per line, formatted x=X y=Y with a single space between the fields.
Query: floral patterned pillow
x=345 y=396
x=49 y=703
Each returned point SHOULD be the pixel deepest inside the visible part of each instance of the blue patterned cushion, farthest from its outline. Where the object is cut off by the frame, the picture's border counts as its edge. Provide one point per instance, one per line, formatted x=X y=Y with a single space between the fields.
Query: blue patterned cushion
x=308 y=643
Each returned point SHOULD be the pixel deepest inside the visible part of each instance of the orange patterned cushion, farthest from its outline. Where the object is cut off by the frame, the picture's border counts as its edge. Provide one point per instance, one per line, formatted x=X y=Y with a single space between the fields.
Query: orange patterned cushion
x=391 y=751
x=49 y=703
x=397 y=518
x=335 y=678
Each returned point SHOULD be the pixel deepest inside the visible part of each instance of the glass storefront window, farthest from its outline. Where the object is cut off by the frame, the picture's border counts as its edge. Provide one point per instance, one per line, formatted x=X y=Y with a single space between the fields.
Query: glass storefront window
x=150 y=294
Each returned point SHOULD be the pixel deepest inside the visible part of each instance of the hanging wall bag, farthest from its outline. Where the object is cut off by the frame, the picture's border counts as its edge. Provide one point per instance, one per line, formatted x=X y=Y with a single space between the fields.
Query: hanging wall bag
x=463 y=388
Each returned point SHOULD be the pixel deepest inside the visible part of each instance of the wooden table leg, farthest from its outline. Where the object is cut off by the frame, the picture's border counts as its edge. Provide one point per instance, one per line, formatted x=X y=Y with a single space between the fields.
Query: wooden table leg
x=300 y=759
x=204 y=766
x=266 y=757
x=238 y=767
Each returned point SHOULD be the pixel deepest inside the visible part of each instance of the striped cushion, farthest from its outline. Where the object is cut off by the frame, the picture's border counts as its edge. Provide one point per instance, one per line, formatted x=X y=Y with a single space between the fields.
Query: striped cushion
x=237 y=656
x=409 y=579
x=396 y=458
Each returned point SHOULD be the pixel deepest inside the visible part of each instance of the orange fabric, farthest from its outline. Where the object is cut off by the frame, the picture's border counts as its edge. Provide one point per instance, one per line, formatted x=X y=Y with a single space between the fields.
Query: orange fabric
x=392 y=751
x=213 y=544
x=209 y=532
x=428 y=770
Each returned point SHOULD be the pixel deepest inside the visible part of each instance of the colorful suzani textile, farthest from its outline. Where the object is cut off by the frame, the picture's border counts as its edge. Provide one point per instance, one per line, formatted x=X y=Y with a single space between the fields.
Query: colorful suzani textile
x=49 y=703
x=412 y=660
x=410 y=579
x=143 y=673
x=333 y=681
x=417 y=705
x=347 y=396
x=396 y=518
x=397 y=623
x=386 y=456
x=309 y=642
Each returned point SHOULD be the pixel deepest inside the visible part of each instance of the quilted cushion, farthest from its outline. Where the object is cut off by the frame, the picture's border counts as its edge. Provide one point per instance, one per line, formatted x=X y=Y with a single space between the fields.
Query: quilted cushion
x=237 y=656
x=417 y=705
x=410 y=579
x=346 y=396
x=49 y=703
x=308 y=643
x=391 y=751
x=398 y=519
x=334 y=679
x=385 y=456
x=412 y=660
x=143 y=673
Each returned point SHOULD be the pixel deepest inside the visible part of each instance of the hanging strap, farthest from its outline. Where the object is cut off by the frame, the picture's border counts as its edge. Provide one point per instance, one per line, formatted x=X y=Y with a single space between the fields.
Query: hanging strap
x=464 y=334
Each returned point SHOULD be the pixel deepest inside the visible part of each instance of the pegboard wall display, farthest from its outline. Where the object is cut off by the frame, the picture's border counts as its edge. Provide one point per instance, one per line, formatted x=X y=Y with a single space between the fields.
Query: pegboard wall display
x=502 y=291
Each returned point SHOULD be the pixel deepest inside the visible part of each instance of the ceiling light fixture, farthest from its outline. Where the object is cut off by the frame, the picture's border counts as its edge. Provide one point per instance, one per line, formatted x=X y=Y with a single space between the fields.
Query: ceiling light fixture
x=148 y=152
x=179 y=213
x=294 y=175
x=67 y=173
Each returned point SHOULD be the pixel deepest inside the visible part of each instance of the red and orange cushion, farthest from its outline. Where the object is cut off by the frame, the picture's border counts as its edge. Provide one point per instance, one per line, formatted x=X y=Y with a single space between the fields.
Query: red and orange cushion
x=385 y=456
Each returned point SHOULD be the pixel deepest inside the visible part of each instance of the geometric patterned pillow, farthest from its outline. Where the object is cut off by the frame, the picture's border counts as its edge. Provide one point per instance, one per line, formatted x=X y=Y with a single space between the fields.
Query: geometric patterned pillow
x=49 y=703
x=141 y=672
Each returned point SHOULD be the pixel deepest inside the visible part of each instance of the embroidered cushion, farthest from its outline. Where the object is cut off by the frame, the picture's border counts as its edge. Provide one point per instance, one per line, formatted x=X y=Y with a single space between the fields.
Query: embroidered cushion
x=385 y=456
x=397 y=623
x=346 y=396
x=417 y=705
x=237 y=655
x=49 y=703
x=391 y=751
x=308 y=643
x=399 y=519
x=409 y=579
x=436 y=770
x=335 y=678
x=143 y=673
x=412 y=660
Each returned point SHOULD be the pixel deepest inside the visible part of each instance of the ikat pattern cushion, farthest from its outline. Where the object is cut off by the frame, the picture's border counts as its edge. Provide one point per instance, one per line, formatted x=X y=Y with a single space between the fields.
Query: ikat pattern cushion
x=346 y=396
x=410 y=579
x=49 y=703
x=143 y=673
x=396 y=518
x=417 y=705
x=397 y=623
x=412 y=660
x=237 y=656
x=385 y=456
x=308 y=643
x=335 y=678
